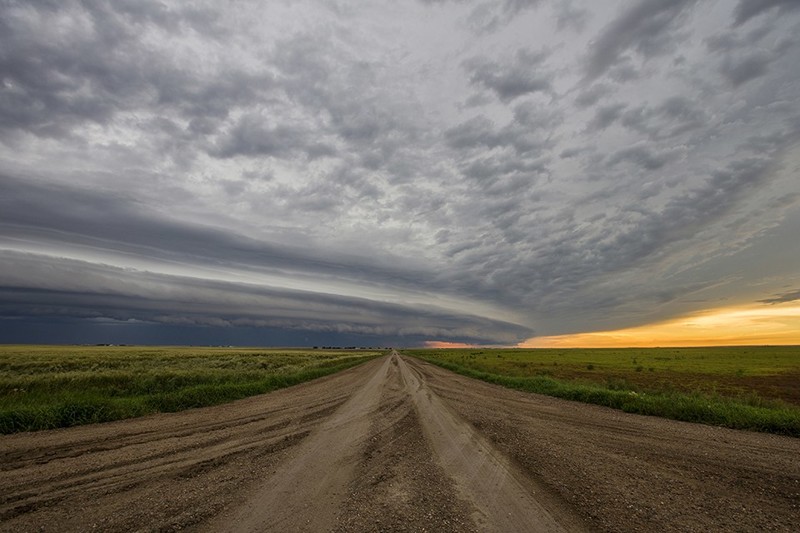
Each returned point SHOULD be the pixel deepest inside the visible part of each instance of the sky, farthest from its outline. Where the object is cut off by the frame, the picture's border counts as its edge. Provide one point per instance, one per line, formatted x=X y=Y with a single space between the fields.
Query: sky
x=337 y=172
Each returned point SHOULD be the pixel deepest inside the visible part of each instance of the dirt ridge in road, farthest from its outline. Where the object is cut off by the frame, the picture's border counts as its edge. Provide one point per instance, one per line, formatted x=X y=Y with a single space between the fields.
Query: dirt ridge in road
x=504 y=498
x=366 y=441
x=306 y=492
x=165 y=471
x=628 y=472
x=398 y=484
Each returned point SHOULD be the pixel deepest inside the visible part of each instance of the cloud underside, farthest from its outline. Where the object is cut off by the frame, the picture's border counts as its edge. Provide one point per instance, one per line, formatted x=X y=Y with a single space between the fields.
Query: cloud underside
x=461 y=170
x=54 y=287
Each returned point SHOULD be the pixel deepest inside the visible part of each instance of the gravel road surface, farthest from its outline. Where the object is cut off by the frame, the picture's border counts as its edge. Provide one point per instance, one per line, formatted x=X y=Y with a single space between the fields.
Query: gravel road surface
x=397 y=444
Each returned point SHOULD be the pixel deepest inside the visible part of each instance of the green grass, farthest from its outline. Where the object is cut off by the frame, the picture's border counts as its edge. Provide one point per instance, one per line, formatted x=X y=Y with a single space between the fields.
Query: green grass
x=753 y=388
x=44 y=387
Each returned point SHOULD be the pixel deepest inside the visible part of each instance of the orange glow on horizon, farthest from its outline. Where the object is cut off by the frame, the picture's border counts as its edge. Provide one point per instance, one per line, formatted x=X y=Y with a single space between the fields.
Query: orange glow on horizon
x=451 y=345
x=738 y=325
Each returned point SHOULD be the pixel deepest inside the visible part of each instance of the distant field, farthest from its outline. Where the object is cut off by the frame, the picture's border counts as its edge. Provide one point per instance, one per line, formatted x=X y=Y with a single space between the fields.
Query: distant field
x=44 y=387
x=743 y=387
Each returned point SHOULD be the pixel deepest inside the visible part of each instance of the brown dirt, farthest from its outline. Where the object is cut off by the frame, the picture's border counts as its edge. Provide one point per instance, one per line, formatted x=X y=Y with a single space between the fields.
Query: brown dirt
x=399 y=445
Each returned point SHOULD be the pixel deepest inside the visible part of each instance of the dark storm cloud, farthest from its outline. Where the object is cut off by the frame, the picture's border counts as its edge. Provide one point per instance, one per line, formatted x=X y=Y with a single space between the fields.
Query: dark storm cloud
x=35 y=286
x=523 y=74
x=565 y=260
x=31 y=210
x=95 y=67
x=682 y=216
x=403 y=171
x=647 y=27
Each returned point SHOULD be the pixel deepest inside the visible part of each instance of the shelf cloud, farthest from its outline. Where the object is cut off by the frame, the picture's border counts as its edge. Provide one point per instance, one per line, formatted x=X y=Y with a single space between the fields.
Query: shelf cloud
x=477 y=172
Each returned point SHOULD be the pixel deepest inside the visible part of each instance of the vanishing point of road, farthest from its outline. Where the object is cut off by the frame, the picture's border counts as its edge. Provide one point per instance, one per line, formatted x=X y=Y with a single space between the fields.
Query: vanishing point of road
x=397 y=444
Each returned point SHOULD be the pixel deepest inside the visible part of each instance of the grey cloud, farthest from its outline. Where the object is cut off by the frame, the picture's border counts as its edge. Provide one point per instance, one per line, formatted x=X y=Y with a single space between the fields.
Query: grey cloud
x=790 y=296
x=342 y=97
x=568 y=260
x=490 y=16
x=624 y=71
x=748 y=9
x=742 y=70
x=534 y=116
x=474 y=132
x=527 y=133
x=646 y=27
x=571 y=17
x=33 y=285
x=642 y=156
x=592 y=94
x=493 y=167
x=82 y=218
x=679 y=108
x=344 y=149
x=605 y=116
x=251 y=136
x=524 y=74
x=747 y=56
x=59 y=80
x=674 y=116
x=92 y=290
x=569 y=153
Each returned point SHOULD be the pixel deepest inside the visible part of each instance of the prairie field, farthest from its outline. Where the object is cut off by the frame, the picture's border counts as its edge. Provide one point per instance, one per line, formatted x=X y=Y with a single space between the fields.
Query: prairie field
x=747 y=387
x=44 y=387
x=334 y=453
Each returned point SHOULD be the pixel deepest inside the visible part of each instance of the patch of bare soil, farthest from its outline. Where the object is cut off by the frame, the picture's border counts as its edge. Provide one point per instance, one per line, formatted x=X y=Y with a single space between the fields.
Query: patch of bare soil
x=626 y=472
x=399 y=445
x=398 y=485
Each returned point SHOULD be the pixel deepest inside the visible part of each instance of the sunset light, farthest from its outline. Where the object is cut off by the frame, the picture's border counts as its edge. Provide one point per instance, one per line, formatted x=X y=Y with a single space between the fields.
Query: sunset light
x=448 y=345
x=738 y=325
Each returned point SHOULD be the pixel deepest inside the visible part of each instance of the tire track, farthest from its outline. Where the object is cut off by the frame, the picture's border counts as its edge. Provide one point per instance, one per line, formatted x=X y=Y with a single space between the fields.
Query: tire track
x=504 y=500
x=398 y=485
x=397 y=444
x=306 y=492
x=626 y=472
x=178 y=468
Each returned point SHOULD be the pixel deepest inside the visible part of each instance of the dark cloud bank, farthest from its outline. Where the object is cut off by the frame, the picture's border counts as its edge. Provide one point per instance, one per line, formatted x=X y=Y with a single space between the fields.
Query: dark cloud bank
x=376 y=174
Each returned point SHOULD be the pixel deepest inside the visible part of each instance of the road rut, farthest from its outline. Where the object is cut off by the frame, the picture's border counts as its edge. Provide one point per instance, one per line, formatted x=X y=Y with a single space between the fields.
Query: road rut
x=398 y=445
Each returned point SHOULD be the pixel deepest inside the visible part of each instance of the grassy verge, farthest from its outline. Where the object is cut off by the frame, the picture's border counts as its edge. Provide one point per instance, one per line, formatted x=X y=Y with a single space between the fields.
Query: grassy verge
x=51 y=387
x=750 y=412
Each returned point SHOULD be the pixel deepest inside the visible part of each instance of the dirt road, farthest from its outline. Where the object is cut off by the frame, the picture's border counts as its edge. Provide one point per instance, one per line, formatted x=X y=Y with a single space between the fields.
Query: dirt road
x=399 y=445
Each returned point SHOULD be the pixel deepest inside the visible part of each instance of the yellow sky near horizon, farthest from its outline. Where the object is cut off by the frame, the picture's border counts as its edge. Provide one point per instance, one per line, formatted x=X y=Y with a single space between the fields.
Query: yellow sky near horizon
x=755 y=324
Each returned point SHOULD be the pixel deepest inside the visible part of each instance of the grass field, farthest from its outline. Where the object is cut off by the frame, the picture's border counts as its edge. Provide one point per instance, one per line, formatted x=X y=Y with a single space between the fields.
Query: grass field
x=43 y=387
x=756 y=388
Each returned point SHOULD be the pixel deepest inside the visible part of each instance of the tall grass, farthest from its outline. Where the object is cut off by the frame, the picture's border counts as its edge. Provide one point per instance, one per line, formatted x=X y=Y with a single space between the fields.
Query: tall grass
x=750 y=414
x=52 y=387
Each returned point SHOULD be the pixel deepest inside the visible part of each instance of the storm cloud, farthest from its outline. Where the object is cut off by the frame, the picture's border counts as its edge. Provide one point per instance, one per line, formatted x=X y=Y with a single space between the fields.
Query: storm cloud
x=474 y=171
